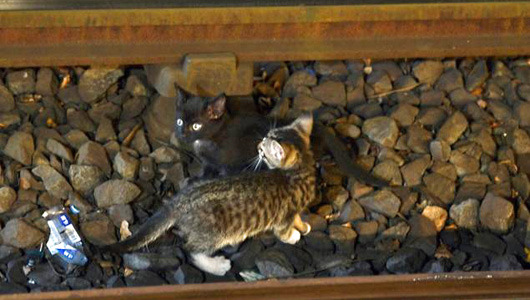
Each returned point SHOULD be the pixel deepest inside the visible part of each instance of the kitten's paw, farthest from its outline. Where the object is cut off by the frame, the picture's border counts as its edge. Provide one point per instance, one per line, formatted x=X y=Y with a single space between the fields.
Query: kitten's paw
x=217 y=265
x=294 y=238
x=307 y=229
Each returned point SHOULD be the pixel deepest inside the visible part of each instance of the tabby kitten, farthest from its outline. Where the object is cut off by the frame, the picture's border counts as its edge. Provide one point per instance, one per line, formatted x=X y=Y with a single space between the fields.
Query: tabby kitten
x=211 y=214
x=226 y=143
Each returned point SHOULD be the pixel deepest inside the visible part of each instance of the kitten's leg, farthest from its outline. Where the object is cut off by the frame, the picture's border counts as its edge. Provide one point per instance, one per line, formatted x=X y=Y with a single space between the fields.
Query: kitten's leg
x=217 y=265
x=302 y=226
x=287 y=234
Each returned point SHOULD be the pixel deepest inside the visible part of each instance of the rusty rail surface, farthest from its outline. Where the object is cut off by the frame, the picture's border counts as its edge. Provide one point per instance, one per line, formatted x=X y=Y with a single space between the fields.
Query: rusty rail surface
x=155 y=35
x=474 y=285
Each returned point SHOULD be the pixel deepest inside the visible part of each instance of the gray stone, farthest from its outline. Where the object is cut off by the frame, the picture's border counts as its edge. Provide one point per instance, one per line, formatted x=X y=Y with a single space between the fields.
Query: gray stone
x=445 y=169
x=54 y=182
x=99 y=231
x=405 y=82
x=7 y=197
x=422 y=235
x=297 y=79
x=390 y=154
x=496 y=214
x=461 y=97
x=440 y=150
x=85 y=178
x=499 y=110
x=60 y=150
x=273 y=263
x=116 y=191
x=389 y=171
x=351 y=211
x=79 y=203
x=413 y=171
x=104 y=109
x=76 y=138
x=453 y=128
x=19 y=234
x=523 y=90
x=187 y=274
x=7 y=101
x=427 y=71
x=165 y=154
x=418 y=139
x=432 y=98
x=336 y=195
x=522 y=113
x=348 y=130
x=21 y=82
x=485 y=140
x=330 y=93
x=477 y=76
x=404 y=114
x=464 y=164
x=505 y=263
x=47 y=82
x=159 y=119
x=368 y=110
x=9 y=118
x=382 y=130
x=333 y=68
x=94 y=154
x=133 y=107
x=450 y=80
x=523 y=73
x=490 y=242
x=119 y=213
x=317 y=222
x=135 y=86
x=366 y=231
x=405 y=261
x=20 y=147
x=441 y=186
x=105 y=131
x=383 y=202
x=126 y=165
x=522 y=185
x=468 y=190
x=390 y=67
x=379 y=81
x=431 y=117
x=305 y=102
x=398 y=232
x=343 y=237
x=144 y=278
x=140 y=144
x=79 y=119
x=319 y=241
x=94 y=82
x=465 y=214
x=520 y=141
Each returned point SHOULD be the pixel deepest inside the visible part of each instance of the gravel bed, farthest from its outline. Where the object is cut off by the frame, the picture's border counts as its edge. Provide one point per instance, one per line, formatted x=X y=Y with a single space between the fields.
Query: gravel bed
x=100 y=140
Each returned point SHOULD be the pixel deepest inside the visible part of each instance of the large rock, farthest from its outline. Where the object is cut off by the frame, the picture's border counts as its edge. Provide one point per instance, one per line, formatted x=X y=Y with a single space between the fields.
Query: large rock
x=59 y=149
x=20 y=147
x=7 y=197
x=7 y=102
x=383 y=202
x=18 y=233
x=382 y=130
x=497 y=214
x=96 y=81
x=331 y=93
x=21 y=82
x=428 y=71
x=114 y=192
x=453 y=128
x=85 y=178
x=465 y=213
x=126 y=165
x=54 y=182
x=159 y=120
x=99 y=231
x=93 y=154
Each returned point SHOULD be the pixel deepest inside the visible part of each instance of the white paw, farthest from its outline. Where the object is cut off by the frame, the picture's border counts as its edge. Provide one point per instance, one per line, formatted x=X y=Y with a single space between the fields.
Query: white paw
x=294 y=238
x=217 y=265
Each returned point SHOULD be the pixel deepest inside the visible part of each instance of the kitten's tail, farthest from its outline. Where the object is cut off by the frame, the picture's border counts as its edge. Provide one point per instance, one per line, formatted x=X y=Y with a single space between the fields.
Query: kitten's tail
x=344 y=161
x=152 y=229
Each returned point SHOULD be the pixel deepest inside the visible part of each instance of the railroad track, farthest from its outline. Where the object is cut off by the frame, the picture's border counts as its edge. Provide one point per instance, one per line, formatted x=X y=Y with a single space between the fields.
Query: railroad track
x=165 y=32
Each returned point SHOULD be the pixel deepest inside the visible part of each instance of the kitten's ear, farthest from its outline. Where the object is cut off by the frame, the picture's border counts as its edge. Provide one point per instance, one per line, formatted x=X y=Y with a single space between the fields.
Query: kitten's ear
x=217 y=107
x=304 y=124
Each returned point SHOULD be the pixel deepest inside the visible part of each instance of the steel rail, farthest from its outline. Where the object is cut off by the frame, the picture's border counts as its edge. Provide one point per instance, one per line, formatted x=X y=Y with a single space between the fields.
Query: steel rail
x=139 y=36
x=473 y=285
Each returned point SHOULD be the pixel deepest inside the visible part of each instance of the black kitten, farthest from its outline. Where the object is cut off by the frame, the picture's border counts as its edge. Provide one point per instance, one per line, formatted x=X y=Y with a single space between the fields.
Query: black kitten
x=226 y=143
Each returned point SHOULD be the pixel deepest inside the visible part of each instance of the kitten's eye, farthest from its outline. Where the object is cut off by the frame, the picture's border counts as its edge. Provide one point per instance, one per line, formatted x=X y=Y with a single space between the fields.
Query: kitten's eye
x=180 y=122
x=196 y=126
